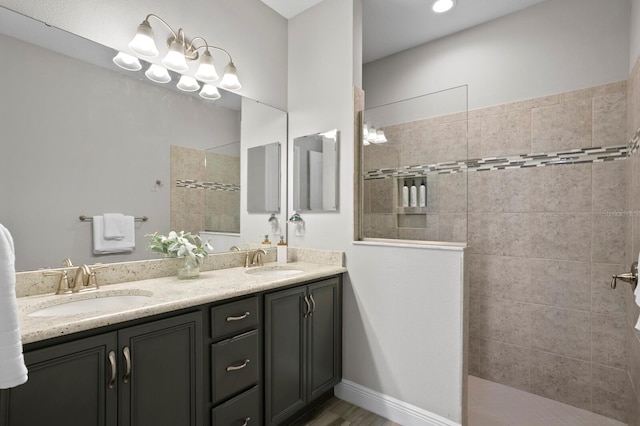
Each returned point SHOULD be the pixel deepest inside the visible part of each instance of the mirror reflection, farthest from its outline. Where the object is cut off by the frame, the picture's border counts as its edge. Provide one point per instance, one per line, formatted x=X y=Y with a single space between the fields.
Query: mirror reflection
x=82 y=139
x=315 y=172
x=263 y=182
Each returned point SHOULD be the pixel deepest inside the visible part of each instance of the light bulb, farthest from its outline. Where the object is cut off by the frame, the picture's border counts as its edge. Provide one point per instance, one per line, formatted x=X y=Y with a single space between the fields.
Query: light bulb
x=158 y=74
x=175 y=60
x=380 y=137
x=207 y=70
x=127 y=62
x=230 y=79
x=209 y=91
x=142 y=43
x=441 y=6
x=187 y=84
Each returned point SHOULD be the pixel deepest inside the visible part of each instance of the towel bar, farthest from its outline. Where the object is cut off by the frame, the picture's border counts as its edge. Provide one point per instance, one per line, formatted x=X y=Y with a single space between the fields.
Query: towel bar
x=84 y=218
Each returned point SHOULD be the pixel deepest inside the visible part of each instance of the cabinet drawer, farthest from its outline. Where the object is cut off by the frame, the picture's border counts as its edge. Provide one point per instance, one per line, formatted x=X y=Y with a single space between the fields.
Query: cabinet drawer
x=232 y=317
x=234 y=365
x=239 y=411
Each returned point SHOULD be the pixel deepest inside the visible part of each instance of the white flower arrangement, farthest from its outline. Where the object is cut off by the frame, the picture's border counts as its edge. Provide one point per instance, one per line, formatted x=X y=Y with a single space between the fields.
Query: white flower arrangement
x=179 y=244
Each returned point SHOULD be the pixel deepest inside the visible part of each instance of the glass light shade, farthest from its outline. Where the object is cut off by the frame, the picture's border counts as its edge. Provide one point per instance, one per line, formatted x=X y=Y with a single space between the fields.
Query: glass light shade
x=209 y=91
x=188 y=84
x=142 y=43
x=158 y=74
x=380 y=137
x=175 y=60
x=373 y=134
x=441 y=6
x=230 y=79
x=127 y=62
x=207 y=71
x=365 y=142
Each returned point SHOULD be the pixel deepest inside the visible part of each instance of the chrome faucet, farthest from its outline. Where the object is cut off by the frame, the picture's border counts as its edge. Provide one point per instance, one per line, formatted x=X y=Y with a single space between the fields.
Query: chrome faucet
x=256 y=259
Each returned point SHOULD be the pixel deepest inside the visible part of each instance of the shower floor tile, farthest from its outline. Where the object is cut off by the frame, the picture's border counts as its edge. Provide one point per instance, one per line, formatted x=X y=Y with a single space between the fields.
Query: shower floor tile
x=492 y=404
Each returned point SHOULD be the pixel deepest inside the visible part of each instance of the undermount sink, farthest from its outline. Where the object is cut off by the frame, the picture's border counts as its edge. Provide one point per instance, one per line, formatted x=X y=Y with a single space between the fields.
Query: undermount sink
x=93 y=304
x=273 y=271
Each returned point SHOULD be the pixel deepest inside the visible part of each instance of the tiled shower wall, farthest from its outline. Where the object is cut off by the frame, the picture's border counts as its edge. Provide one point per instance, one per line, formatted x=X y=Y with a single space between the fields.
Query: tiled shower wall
x=543 y=241
x=445 y=216
x=543 y=244
x=632 y=215
x=195 y=208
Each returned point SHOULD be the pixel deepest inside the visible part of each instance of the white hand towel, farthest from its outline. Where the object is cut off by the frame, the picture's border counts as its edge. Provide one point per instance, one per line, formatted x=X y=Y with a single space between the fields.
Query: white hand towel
x=104 y=246
x=113 y=226
x=13 y=371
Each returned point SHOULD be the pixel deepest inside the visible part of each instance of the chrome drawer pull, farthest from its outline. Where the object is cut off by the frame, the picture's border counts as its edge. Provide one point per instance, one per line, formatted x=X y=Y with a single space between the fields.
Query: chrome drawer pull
x=246 y=421
x=313 y=302
x=127 y=359
x=112 y=363
x=307 y=312
x=241 y=317
x=238 y=367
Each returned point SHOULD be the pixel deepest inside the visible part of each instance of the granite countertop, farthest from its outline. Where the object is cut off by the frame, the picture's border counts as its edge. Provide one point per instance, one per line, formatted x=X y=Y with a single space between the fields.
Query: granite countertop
x=165 y=294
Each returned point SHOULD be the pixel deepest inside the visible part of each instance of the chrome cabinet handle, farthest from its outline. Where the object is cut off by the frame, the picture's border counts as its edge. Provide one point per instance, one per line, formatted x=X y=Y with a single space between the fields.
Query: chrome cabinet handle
x=313 y=302
x=246 y=421
x=238 y=367
x=307 y=312
x=112 y=363
x=127 y=359
x=238 y=318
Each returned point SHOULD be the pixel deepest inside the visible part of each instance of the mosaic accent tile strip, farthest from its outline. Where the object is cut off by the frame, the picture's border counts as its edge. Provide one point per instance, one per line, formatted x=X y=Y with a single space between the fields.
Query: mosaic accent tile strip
x=192 y=184
x=634 y=143
x=572 y=156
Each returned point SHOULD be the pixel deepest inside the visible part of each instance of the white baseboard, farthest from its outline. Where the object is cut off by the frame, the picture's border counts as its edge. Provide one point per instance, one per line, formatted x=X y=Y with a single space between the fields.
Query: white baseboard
x=388 y=407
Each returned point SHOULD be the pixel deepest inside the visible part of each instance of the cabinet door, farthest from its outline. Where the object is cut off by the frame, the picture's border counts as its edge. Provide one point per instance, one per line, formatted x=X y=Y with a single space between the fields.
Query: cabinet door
x=324 y=337
x=284 y=353
x=161 y=373
x=69 y=384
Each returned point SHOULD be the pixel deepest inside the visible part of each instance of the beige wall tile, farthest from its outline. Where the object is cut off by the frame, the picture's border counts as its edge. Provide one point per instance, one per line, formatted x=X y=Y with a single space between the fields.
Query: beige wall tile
x=412 y=221
x=609 y=233
x=451 y=141
x=608 y=340
x=561 y=283
x=561 y=188
x=503 y=234
x=380 y=226
x=506 y=134
x=501 y=277
x=561 y=127
x=609 y=186
x=503 y=320
x=499 y=362
x=562 y=236
x=609 y=388
x=433 y=227
x=418 y=234
x=504 y=191
x=534 y=103
x=452 y=193
x=382 y=156
x=484 y=112
x=474 y=145
x=604 y=299
x=609 y=119
x=381 y=197
x=452 y=227
x=563 y=379
x=633 y=355
x=561 y=331
x=417 y=147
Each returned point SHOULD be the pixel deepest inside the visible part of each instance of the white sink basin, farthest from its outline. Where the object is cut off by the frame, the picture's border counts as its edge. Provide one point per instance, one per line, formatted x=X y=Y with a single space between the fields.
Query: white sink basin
x=273 y=271
x=100 y=303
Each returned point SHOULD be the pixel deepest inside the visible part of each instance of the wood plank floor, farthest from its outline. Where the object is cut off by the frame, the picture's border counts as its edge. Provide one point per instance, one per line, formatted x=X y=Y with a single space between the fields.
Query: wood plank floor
x=336 y=412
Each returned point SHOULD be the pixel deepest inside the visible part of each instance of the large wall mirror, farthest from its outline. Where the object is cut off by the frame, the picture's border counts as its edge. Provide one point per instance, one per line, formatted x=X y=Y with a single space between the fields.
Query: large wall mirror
x=82 y=138
x=263 y=178
x=315 y=172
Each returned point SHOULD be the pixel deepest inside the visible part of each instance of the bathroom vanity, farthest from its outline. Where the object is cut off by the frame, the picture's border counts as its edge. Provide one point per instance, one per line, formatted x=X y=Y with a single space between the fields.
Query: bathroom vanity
x=229 y=348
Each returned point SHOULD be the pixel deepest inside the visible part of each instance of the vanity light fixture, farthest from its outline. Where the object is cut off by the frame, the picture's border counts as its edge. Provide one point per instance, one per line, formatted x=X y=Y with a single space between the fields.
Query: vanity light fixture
x=181 y=50
x=441 y=6
x=127 y=62
x=372 y=135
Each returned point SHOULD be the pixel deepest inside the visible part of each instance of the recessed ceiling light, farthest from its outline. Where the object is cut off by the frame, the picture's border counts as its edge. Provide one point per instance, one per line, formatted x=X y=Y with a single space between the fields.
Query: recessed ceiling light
x=441 y=6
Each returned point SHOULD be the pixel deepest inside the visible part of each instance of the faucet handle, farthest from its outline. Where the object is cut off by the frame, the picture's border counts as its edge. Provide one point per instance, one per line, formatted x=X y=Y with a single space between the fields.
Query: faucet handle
x=92 y=280
x=63 y=285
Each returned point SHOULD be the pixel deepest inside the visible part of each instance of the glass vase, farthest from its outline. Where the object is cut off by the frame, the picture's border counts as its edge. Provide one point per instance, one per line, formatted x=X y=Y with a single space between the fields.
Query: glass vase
x=189 y=269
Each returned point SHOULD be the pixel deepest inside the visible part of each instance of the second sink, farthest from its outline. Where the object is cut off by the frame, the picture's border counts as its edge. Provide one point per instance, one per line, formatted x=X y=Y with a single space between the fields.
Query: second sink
x=273 y=271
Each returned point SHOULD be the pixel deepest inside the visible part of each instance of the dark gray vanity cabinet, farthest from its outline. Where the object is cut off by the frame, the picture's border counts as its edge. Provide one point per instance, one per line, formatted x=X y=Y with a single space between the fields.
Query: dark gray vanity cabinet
x=302 y=347
x=148 y=374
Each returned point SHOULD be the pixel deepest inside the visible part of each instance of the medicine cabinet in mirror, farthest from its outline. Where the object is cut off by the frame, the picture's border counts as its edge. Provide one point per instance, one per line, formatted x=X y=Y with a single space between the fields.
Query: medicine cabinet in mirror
x=315 y=172
x=263 y=178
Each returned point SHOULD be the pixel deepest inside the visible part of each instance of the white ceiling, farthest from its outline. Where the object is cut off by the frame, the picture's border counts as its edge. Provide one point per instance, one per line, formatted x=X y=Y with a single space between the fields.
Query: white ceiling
x=391 y=26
